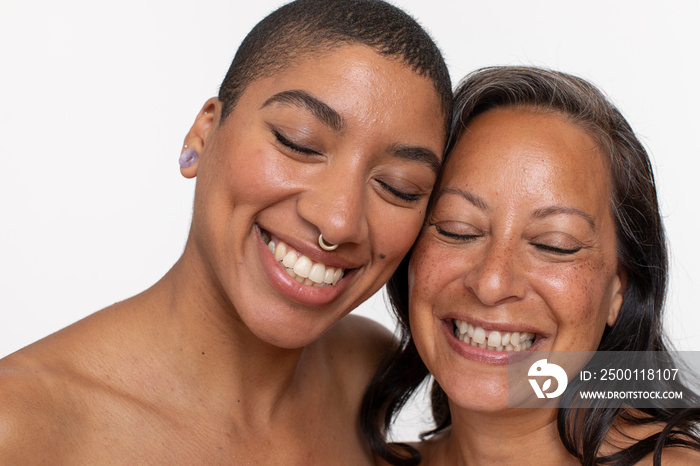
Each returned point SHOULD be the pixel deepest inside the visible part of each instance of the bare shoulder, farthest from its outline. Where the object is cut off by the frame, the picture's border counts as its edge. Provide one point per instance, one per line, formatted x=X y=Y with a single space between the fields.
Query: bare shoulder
x=49 y=392
x=673 y=456
x=625 y=435
x=679 y=456
x=31 y=419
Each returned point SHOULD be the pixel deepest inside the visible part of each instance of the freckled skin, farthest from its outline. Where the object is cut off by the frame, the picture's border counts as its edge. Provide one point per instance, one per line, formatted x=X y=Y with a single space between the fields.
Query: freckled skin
x=536 y=186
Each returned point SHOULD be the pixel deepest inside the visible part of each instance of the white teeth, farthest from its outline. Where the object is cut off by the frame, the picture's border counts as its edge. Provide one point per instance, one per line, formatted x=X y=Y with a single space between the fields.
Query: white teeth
x=318 y=272
x=494 y=340
x=515 y=338
x=290 y=259
x=303 y=267
x=280 y=251
x=300 y=267
x=505 y=339
x=479 y=336
x=463 y=327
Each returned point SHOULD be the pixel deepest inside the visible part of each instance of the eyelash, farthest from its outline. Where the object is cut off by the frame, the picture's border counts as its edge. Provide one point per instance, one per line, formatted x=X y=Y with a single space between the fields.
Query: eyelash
x=290 y=145
x=400 y=194
x=304 y=150
x=555 y=250
x=456 y=236
x=543 y=247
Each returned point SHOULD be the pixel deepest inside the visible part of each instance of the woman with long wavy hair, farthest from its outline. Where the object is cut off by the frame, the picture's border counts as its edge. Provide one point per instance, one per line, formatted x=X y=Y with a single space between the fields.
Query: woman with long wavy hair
x=543 y=234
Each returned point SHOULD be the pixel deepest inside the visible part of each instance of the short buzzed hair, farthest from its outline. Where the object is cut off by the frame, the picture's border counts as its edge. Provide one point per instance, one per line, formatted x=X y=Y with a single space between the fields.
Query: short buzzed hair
x=305 y=27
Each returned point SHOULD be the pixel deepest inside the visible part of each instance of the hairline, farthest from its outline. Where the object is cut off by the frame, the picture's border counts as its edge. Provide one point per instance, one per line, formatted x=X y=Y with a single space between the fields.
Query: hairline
x=321 y=49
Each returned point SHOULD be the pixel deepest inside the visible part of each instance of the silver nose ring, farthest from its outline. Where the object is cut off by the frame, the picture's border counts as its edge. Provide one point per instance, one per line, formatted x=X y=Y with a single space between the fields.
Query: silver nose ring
x=325 y=246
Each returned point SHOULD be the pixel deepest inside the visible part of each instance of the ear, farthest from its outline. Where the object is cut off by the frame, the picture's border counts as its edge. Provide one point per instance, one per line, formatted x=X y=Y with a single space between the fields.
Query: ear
x=202 y=128
x=619 y=286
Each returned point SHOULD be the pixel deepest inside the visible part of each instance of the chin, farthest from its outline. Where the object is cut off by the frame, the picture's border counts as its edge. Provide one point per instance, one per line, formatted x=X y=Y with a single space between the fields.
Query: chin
x=476 y=391
x=480 y=402
x=288 y=340
x=291 y=332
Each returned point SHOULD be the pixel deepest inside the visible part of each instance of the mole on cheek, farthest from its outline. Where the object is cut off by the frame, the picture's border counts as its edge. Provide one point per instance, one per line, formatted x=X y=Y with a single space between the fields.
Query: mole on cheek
x=382 y=255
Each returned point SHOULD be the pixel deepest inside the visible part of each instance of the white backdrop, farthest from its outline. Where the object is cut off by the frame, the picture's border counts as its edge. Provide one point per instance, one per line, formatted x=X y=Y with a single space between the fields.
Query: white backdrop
x=96 y=98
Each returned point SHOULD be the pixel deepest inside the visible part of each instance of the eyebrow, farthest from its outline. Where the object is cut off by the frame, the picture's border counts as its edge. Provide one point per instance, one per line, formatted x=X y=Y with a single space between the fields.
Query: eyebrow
x=472 y=198
x=331 y=118
x=417 y=154
x=321 y=110
x=553 y=210
x=539 y=213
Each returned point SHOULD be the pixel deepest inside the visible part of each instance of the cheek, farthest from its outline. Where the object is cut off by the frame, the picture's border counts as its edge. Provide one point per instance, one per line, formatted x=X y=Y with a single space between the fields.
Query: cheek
x=433 y=281
x=579 y=299
x=426 y=269
x=245 y=166
x=255 y=175
x=393 y=230
x=420 y=270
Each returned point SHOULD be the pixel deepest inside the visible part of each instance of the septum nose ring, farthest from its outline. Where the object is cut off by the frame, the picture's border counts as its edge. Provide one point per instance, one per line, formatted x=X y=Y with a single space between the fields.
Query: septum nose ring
x=325 y=246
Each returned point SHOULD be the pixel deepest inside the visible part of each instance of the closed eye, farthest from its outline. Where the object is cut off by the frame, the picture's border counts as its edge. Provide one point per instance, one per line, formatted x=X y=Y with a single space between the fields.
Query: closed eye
x=292 y=146
x=555 y=250
x=456 y=236
x=400 y=194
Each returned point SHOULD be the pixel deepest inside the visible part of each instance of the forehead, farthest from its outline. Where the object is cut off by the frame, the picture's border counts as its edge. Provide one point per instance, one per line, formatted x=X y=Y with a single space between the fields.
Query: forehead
x=528 y=153
x=361 y=85
x=343 y=61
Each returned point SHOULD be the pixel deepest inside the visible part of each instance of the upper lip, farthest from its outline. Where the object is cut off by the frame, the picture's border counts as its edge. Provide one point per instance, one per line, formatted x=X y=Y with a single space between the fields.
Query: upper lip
x=314 y=252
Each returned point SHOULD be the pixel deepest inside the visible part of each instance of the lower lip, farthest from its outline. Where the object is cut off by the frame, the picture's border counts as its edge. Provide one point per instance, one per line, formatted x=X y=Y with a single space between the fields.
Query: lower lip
x=482 y=355
x=288 y=287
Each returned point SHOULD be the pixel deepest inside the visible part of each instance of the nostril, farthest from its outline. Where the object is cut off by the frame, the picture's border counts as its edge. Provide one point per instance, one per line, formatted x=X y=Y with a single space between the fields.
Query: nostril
x=495 y=282
x=336 y=207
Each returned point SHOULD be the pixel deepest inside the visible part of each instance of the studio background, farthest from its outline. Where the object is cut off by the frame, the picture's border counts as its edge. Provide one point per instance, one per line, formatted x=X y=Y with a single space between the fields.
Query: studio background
x=96 y=98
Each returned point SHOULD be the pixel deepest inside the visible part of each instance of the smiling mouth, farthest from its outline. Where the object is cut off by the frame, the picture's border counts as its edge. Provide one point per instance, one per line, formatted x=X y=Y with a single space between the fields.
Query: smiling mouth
x=494 y=340
x=300 y=267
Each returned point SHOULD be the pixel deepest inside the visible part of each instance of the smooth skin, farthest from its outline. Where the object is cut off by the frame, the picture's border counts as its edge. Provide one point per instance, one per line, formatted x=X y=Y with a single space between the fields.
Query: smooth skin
x=224 y=361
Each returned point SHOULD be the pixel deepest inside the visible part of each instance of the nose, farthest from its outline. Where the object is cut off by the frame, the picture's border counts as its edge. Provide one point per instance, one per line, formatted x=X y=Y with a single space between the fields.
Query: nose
x=336 y=204
x=495 y=279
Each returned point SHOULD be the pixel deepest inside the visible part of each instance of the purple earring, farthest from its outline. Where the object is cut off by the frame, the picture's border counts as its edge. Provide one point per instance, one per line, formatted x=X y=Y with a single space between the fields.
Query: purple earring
x=188 y=157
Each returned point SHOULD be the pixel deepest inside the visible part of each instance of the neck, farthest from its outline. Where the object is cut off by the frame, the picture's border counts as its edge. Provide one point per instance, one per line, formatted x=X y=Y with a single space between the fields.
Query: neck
x=511 y=437
x=214 y=353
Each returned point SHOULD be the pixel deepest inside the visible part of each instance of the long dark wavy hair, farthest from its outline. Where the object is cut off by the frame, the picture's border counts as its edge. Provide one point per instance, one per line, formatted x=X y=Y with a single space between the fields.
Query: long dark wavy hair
x=641 y=250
